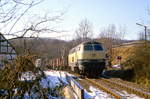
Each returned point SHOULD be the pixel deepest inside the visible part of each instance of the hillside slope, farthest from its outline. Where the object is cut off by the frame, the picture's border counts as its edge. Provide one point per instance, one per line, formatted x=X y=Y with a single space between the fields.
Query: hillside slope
x=125 y=51
x=136 y=57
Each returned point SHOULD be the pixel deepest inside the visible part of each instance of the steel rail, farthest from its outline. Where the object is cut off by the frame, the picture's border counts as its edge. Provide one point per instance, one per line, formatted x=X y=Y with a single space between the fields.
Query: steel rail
x=106 y=89
x=119 y=85
x=129 y=88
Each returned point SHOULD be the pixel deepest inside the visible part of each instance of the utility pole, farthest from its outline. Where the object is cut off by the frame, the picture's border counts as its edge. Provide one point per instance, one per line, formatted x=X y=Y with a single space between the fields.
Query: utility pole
x=145 y=29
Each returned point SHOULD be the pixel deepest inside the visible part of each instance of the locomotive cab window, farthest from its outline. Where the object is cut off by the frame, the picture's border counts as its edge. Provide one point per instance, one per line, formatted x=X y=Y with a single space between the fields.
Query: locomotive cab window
x=98 y=47
x=88 y=47
x=93 y=47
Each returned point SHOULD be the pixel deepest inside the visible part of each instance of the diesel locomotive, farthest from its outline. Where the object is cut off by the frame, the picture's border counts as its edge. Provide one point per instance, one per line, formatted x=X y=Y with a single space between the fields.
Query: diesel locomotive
x=87 y=58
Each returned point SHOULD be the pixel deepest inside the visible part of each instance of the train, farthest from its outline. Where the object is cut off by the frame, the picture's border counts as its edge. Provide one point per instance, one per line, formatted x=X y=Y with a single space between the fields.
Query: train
x=87 y=58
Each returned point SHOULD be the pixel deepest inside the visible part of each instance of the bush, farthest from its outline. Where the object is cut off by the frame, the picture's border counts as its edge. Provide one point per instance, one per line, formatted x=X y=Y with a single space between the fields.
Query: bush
x=140 y=62
x=10 y=76
x=11 y=85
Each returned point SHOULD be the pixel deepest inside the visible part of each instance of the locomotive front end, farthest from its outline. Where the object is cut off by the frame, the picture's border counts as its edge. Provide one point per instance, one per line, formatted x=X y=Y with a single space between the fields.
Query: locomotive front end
x=92 y=58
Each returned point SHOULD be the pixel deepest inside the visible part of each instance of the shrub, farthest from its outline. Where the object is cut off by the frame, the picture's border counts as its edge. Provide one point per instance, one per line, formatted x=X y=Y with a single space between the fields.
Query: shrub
x=12 y=72
x=11 y=85
x=140 y=62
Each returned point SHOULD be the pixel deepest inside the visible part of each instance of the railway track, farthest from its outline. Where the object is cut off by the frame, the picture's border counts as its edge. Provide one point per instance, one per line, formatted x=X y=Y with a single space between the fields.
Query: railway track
x=125 y=86
x=101 y=86
x=105 y=88
x=115 y=87
x=140 y=87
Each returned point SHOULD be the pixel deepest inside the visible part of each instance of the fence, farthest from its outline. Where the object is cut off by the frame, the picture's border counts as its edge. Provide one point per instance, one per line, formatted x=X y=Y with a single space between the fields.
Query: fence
x=76 y=87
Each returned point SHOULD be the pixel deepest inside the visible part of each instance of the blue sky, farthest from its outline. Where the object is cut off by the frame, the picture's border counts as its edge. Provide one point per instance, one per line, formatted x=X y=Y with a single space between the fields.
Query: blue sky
x=101 y=13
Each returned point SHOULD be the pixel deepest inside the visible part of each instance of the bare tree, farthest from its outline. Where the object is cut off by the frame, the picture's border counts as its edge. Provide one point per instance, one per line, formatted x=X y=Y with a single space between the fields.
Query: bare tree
x=122 y=32
x=84 y=30
x=12 y=11
x=141 y=35
x=107 y=35
x=148 y=34
x=18 y=13
x=148 y=30
x=111 y=36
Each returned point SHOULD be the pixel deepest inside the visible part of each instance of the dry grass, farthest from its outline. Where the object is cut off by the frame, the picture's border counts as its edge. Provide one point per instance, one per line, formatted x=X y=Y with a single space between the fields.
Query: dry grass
x=125 y=52
x=141 y=64
x=137 y=58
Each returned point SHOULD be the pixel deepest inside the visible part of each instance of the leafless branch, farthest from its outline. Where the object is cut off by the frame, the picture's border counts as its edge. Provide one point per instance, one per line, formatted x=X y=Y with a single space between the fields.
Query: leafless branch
x=85 y=30
x=31 y=3
x=16 y=11
x=3 y=4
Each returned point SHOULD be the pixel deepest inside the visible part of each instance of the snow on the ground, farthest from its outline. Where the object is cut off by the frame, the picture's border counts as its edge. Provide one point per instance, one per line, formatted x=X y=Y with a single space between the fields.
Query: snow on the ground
x=96 y=94
x=53 y=79
x=129 y=96
x=27 y=76
x=116 y=66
